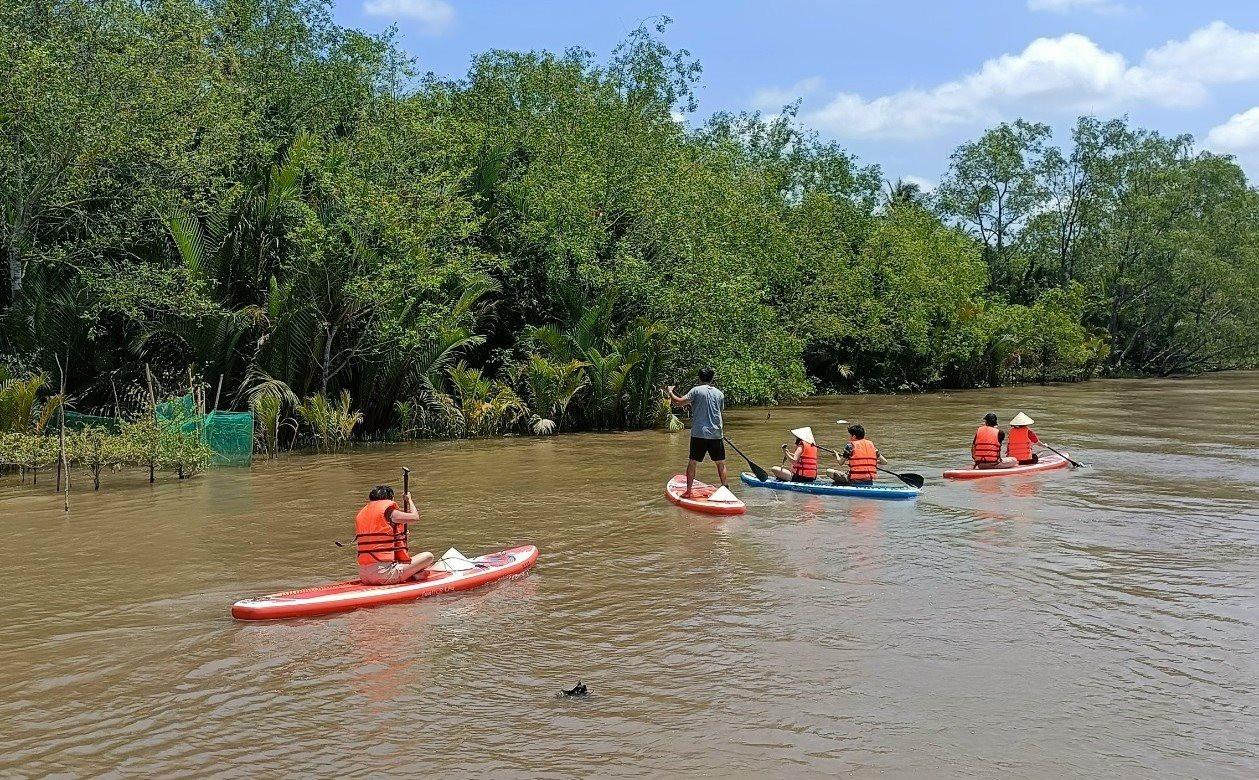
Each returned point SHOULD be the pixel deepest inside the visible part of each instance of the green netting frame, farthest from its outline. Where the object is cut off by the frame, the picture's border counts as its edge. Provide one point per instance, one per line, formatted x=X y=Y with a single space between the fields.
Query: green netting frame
x=76 y=421
x=229 y=434
x=231 y=437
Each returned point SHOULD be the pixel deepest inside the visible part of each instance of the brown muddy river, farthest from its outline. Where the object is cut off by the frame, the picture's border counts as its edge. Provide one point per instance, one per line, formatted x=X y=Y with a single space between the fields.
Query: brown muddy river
x=1096 y=623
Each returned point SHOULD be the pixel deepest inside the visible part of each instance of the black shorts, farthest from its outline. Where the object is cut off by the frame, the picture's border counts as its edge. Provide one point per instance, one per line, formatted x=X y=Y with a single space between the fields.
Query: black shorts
x=798 y=478
x=713 y=448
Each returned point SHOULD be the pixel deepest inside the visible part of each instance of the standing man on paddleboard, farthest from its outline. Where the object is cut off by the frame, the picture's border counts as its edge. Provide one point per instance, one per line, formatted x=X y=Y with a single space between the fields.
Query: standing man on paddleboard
x=707 y=430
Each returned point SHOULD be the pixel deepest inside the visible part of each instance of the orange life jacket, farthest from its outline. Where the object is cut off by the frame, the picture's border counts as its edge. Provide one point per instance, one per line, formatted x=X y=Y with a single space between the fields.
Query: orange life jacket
x=377 y=539
x=1018 y=444
x=863 y=464
x=986 y=448
x=806 y=465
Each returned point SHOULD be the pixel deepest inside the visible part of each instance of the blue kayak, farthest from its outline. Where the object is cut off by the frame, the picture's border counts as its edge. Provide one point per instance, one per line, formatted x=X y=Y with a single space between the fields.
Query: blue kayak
x=824 y=488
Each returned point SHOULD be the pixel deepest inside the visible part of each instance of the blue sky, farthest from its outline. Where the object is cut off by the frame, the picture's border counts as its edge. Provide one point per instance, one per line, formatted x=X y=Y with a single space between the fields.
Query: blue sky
x=902 y=82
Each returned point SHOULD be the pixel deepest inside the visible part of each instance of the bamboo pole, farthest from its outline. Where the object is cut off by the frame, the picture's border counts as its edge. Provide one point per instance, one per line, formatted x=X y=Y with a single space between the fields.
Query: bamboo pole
x=148 y=374
x=217 y=393
x=63 y=465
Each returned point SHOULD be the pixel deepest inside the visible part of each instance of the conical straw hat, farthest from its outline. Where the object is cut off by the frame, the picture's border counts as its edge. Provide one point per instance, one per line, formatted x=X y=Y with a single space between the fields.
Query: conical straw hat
x=1021 y=419
x=804 y=434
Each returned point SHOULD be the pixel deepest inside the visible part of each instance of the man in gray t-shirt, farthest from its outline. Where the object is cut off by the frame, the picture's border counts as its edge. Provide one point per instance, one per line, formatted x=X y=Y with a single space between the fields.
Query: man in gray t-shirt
x=706 y=404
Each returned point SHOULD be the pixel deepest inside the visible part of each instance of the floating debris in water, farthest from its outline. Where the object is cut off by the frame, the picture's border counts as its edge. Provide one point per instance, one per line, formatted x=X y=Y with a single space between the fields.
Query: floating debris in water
x=577 y=690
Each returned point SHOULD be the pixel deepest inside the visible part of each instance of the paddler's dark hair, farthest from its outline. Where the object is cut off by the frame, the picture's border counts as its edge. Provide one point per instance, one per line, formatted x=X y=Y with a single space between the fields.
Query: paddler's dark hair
x=381 y=493
x=857 y=430
x=990 y=418
x=706 y=374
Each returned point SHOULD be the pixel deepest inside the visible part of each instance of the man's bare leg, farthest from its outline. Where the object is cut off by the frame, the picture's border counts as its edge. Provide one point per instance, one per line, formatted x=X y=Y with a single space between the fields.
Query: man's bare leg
x=721 y=472
x=690 y=477
x=419 y=563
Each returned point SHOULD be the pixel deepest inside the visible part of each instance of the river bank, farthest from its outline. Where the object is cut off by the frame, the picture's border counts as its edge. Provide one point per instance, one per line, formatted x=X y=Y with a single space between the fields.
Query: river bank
x=126 y=464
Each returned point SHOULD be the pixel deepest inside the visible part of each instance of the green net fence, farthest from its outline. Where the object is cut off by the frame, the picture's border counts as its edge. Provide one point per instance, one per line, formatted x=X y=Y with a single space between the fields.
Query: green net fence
x=231 y=437
x=77 y=422
x=229 y=434
x=184 y=408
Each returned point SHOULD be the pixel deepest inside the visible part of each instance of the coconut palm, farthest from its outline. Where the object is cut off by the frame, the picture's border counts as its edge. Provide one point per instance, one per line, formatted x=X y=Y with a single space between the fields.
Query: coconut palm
x=484 y=406
x=550 y=388
x=903 y=193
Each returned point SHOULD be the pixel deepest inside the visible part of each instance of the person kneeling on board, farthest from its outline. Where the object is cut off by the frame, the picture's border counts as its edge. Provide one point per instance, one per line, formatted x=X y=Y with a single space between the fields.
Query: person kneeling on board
x=803 y=458
x=380 y=533
x=1018 y=445
x=861 y=457
x=985 y=448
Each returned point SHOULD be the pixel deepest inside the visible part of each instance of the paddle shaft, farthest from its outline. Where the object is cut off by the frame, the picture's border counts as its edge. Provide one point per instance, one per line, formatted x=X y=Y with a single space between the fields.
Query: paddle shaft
x=406 y=504
x=760 y=473
x=1074 y=463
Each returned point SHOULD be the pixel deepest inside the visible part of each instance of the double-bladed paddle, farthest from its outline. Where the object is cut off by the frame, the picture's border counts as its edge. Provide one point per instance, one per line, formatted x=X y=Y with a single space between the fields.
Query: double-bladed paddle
x=913 y=480
x=760 y=473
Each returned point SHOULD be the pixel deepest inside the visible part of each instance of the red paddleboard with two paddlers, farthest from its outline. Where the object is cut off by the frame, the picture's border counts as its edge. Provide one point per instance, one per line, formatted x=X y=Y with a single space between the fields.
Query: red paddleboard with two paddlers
x=704 y=498
x=1047 y=463
x=451 y=573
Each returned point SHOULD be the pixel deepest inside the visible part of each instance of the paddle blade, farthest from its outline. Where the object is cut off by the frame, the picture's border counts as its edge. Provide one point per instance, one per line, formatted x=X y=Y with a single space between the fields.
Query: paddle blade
x=760 y=473
x=1075 y=464
x=913 y=480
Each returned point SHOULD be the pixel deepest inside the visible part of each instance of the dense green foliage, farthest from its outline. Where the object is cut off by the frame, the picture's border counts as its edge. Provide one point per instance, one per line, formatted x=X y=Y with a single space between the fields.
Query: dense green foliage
x=286 y=206
x=1152 y=247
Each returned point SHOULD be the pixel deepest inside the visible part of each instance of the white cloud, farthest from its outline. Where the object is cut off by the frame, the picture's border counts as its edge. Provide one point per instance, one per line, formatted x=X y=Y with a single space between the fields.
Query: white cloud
x=1216 y=53
x=774 y=98
x=1067 y=6
x=1069 y=73
x=926 y=185
x=434 y=16
x=1239 y=135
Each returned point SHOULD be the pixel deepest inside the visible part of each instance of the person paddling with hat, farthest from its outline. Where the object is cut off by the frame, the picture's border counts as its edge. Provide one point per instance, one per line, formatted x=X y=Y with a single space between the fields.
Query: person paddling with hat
x=802 y=458
x=1018 y=445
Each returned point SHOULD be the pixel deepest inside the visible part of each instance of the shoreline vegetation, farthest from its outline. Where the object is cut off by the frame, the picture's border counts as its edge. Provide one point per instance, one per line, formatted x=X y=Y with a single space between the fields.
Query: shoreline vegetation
x=250 y=207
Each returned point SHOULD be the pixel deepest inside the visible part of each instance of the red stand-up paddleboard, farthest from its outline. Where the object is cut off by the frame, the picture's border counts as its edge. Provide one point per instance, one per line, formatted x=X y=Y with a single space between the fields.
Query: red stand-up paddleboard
x=345 y=596
x=1047 y=463
x=704 y=498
